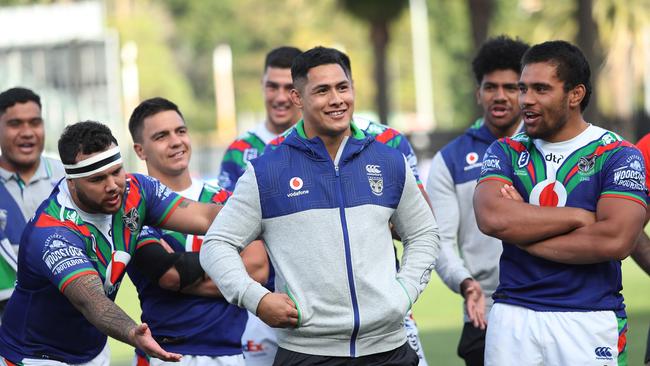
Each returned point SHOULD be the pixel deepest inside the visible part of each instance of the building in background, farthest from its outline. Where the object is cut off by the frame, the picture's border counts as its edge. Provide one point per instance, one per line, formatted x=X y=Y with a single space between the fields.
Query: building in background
x=65 y=53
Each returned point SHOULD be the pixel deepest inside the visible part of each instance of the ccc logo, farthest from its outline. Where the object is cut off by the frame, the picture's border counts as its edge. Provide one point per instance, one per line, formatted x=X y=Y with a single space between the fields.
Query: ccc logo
x=603 y=352
x=373 y=169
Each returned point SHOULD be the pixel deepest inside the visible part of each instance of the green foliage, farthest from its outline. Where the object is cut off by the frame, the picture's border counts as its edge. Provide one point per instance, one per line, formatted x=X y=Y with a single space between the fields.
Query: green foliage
x=375 y=11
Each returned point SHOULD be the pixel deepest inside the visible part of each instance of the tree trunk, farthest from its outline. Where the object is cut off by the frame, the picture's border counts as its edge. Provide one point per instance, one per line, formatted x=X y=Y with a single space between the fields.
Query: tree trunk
x=587 y=39
x=480 y=14
x=379 y=38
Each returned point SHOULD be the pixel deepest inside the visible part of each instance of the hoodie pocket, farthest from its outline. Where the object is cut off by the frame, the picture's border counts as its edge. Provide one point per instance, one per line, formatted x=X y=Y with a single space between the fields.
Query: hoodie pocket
x=295 y=302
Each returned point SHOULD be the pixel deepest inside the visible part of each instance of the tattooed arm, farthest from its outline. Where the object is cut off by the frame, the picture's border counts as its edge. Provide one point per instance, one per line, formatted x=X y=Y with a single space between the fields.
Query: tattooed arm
x=192 y=217
x=86 y=293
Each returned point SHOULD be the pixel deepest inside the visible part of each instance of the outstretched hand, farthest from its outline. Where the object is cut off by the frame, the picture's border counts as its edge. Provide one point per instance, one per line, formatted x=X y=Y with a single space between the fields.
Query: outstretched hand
x=278 y=311
x=142 y=338
x=474 y=302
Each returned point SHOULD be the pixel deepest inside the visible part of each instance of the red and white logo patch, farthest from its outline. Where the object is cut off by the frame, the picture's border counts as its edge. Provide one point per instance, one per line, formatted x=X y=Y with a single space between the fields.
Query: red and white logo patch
x=115 y=270
x=549 y=193
x=471 y=158
x=295 y=183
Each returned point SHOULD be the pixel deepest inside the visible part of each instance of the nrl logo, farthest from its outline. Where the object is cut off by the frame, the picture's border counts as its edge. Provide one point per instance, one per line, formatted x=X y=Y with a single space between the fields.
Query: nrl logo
x=131 y=219
x=585 y=164
x=375 y=179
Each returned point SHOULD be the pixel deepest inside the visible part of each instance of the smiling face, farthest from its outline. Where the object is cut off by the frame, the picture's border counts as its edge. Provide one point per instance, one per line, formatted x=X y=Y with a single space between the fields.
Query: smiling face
x=101 y=192
x=498 y=96
x=326 y=100
x=166 y=145
x=22 y=136
x=544 y=104
x=281 y=113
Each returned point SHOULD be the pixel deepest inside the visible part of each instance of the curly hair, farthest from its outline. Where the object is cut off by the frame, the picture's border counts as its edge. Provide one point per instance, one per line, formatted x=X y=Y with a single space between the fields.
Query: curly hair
x=499 y=53
x=84 y=137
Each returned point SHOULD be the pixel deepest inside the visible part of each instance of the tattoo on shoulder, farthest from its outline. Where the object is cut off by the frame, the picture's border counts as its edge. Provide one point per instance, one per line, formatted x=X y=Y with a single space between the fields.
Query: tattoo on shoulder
x=86 y=293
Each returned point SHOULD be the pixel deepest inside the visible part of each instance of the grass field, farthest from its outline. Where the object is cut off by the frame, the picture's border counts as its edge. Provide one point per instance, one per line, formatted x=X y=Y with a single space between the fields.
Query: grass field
x=439 y=317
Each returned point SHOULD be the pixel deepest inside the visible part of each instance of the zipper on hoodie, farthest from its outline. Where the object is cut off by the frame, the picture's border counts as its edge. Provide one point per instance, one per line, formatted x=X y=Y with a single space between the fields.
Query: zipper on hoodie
x=348 y=254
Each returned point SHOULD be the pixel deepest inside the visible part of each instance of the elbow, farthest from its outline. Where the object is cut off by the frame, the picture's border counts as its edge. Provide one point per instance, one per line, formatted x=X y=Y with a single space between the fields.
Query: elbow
x=618 y=248
x=490 y=225
x=170 y=280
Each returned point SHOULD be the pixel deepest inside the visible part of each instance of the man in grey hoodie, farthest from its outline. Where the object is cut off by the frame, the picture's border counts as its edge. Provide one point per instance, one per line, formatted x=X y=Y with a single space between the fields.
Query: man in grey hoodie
x=322 y=202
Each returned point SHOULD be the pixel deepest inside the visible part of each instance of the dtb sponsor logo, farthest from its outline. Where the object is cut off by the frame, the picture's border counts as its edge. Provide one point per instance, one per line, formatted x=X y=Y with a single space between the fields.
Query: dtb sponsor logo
x=553 y=158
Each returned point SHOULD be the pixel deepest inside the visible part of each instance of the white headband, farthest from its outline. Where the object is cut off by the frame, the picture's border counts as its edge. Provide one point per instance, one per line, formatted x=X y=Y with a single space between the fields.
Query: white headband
x=94 y=164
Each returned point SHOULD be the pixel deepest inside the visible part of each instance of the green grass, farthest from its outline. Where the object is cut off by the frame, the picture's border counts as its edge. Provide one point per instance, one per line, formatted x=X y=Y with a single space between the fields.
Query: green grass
x=439 y=317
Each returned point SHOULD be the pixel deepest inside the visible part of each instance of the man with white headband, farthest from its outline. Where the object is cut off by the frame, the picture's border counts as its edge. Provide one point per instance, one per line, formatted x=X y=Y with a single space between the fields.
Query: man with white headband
x=74 y=253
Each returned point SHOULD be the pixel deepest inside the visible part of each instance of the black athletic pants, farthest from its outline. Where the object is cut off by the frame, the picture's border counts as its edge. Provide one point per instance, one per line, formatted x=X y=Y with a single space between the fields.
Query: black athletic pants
x=471 y=347
x=401 y=356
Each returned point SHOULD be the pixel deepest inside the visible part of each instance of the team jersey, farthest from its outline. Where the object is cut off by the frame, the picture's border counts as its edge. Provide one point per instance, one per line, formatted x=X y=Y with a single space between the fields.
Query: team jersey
x=188 y=324
x=62 y=243
x=382 y=133
x=574 y=173
x=244 y=149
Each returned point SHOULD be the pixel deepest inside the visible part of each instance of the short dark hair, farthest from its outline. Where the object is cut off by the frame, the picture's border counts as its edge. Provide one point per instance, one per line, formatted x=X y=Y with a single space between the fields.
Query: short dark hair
x=318 y=56
x=84 y=137
x=499 y=53
x=10 y=97
x=146 y=109
x=570 y=64
x=281 y=57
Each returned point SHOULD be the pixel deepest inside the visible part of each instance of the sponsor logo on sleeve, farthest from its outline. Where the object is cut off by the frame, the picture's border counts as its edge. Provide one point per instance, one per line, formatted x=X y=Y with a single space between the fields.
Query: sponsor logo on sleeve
x=631 y=176
x=60 y=256
x=375 y=179
x=491 y=163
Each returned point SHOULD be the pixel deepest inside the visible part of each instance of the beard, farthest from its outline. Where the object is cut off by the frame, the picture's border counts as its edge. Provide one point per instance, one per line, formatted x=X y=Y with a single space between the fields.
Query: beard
x=91 y=206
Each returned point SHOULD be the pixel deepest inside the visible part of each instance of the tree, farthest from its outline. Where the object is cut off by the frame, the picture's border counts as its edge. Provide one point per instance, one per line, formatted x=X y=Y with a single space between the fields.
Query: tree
x=379 y=15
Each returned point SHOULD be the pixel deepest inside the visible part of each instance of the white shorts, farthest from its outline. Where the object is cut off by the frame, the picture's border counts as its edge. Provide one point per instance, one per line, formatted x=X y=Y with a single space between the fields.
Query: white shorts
x=102 y=359
x=413 y=338
x=519 y=336
x=188 y=360
x=259 y=342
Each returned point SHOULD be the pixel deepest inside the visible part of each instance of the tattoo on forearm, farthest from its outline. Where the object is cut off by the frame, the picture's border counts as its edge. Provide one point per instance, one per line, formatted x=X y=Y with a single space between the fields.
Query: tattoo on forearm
x=184 y=203
x=86 y=293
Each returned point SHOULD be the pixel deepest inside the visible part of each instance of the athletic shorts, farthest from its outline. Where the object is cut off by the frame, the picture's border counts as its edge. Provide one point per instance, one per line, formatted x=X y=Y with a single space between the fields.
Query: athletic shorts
x=259 y=343
x=102 y=359
x=188 y=360
x=519 y=336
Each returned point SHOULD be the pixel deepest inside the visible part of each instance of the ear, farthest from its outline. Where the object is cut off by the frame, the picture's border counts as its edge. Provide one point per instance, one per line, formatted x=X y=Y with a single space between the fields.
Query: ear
x=71 y=186
x=576 y=95
x=477 y=93
x=139 y=151
x=295 y=98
